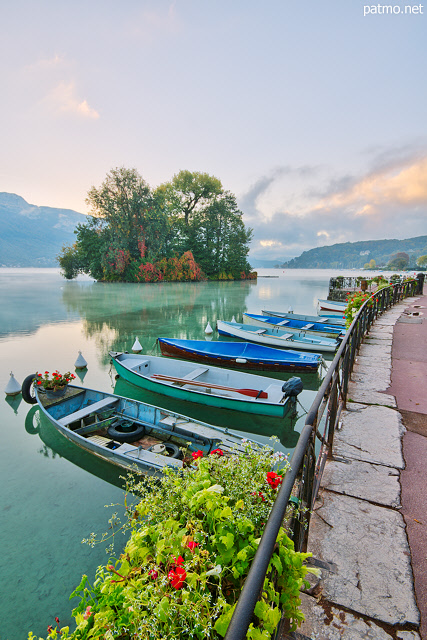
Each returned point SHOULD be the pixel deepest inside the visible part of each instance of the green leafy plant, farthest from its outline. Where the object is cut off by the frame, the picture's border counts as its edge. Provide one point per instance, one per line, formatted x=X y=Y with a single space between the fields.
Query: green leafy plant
x=354 y=302
x=193 y=536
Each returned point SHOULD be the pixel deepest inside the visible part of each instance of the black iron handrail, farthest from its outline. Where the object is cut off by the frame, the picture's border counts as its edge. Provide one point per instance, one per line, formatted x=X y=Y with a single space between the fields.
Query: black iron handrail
x=306 y=467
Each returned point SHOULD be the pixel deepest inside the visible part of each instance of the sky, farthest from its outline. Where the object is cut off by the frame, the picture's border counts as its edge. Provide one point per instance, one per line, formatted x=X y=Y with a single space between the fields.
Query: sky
x=312 y=112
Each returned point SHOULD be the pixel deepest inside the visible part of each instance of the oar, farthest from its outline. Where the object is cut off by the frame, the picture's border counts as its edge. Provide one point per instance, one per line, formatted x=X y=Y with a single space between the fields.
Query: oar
x=254 y=393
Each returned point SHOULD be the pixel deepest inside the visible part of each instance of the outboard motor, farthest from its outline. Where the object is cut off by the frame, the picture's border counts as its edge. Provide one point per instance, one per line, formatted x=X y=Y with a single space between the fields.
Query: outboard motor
x=293 y=387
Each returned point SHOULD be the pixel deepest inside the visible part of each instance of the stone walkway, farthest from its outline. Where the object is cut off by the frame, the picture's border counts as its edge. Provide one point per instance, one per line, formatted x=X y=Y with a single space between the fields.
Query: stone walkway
x=371 y=495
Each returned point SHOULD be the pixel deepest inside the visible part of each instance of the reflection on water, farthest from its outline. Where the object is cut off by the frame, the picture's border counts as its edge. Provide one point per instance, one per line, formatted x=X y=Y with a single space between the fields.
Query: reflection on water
x=55 y=444
x=249 y=425
x=54 y=494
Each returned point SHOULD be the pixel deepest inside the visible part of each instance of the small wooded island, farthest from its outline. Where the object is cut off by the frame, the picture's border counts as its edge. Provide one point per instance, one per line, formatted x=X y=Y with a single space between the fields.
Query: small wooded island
x=187 y=229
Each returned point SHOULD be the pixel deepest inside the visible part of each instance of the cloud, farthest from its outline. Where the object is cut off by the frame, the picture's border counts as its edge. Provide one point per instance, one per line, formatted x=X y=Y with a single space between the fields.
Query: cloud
x=46 y=64
x=388 y=201
x=404 y=186
x=63 y=99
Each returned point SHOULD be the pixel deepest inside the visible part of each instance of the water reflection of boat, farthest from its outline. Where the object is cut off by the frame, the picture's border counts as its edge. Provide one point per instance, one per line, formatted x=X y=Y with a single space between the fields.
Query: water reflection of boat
x=129 y=433
x=55 y=444
x=245 y=424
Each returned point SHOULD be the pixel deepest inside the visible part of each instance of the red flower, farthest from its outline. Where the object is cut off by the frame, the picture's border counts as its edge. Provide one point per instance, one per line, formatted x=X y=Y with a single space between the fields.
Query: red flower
x=153 y=574
x=177 y=577
x=50 y=628
x=218 y=452
x=197 y=454
x=192 y=545
x=258 y=495
x=274 y=479
x=179 y=560
x=57 y=620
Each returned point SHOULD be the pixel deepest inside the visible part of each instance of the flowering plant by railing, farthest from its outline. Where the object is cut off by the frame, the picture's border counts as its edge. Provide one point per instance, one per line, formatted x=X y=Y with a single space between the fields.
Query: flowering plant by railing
x=53 y=381
x=354 y=302
x=193 y=538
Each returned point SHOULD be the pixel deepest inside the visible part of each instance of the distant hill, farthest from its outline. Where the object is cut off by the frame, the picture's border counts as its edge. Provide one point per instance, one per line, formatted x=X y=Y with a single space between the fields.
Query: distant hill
x=32 y=236
x=354 y=255
x=258 y=263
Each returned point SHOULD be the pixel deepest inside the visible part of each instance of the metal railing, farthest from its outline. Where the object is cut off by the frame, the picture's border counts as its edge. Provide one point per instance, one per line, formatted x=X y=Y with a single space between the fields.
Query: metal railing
x=306 y=466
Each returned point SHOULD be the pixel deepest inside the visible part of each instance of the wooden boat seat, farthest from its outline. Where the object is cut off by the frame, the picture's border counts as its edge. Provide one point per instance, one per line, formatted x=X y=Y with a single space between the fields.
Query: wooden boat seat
x=196 y=373
x=259 y=331
x=85 y=411
x=286 y=336
x=101 y=440
x=282 y=322
x=307 y=326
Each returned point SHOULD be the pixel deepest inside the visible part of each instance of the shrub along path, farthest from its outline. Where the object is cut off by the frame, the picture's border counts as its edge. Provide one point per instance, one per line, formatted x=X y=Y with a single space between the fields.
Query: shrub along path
x=369 y=523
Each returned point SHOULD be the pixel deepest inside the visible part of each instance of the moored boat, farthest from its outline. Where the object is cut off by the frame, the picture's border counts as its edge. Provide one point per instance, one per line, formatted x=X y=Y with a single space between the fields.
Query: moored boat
x=332 y=305
x=210 y=386
x=277 y=337
x=327 y=320
x=293 y=325
x=240 y=355
x=129 y=433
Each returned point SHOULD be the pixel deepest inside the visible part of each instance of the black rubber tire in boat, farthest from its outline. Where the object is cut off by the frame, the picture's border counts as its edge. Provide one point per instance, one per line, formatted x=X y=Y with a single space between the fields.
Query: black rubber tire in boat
x=28 y=389
x=172 y=449
x=126 y=436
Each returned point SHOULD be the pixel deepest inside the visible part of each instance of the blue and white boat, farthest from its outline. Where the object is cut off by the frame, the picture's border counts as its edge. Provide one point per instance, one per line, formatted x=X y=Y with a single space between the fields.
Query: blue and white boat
x=292 y=325
x=327 y=320
x=240 y=355
x=276 y=337
x=131 y=434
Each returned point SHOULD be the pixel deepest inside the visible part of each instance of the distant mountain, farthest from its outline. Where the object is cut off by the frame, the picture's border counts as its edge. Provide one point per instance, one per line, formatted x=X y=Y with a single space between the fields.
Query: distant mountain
x=354 y=255
x=32 y=236
x=258 y=263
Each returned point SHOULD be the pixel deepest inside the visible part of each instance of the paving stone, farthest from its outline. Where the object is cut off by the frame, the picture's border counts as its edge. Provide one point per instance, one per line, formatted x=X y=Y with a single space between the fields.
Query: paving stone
x=367 y=396
x=363 y=480
x=336 y=624
x=382 y=361
x=371 y=378
x=374 y=350
x=371 y=434
x=378 y=340
x=368 y=546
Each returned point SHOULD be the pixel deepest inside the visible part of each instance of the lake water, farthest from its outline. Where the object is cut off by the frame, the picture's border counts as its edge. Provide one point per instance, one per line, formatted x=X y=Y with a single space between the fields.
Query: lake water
x=52 y=495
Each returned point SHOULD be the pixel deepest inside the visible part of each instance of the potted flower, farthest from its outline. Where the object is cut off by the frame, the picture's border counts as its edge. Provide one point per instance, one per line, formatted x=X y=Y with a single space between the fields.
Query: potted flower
x=55 y=384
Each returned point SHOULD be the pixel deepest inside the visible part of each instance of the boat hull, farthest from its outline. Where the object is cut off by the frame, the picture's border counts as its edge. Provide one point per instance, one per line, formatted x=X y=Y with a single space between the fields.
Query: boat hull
x=211 y=397
x=169 y=426
x=267 y=360
x=331 y=305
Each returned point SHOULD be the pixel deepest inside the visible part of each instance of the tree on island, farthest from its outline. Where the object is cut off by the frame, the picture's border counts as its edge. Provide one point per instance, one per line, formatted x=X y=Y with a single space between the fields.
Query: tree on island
x=422 y=261
x=185 y=229
x=398 y=262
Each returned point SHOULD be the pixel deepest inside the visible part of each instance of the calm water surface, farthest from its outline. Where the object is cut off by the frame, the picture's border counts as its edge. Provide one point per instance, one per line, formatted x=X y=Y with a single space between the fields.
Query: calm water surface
x=52 y=495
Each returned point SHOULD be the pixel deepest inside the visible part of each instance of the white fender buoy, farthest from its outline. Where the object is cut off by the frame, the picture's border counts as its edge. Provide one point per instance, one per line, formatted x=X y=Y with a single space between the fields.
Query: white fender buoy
x=290 y=310
x=208 y=328
x=233 y=319
x=13 y=387
x=137 y=347
x=80 y=363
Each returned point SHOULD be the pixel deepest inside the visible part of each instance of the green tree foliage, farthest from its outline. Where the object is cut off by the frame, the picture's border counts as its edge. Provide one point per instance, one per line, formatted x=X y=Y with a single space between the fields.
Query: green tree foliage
x=186 y=229
x=69 y=262
x=422 y=261
x=398 y=261
x=133 y=216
